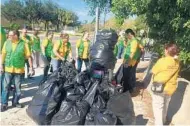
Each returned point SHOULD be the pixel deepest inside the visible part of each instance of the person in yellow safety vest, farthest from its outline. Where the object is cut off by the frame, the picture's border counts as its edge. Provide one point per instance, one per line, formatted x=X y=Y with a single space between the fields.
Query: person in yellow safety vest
x=61 y=51
x=2 y=37
x=2 y=40
x=27 y=39
x=82 y=51
x=14 y=53
x=132 y=56
x=47 y=47
x=119 y=47
x=36 y=48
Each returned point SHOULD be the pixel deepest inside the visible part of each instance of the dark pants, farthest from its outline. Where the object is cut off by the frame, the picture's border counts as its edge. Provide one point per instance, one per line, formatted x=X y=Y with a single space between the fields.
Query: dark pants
x=6 y=86
x=133 y=72
x=80 y=62
x=127 y=78
x=46 y=68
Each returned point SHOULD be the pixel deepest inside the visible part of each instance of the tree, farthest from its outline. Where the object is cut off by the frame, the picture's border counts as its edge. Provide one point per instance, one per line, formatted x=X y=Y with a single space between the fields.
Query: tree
x=12 y=10
x=49 y=13
x=32 y=11
x=104 y=7
x=168 y=20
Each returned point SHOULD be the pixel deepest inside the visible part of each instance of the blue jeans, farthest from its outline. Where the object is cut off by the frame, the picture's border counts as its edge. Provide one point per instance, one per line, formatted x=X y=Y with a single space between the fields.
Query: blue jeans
x=56 y=64
x=8 y=77
x=1 y=81
x=80 y=62
x=120 y=52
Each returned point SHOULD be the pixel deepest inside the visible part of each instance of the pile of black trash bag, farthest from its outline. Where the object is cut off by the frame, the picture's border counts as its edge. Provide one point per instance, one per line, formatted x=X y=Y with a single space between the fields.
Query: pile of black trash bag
x=86 y=98
x=68 y=98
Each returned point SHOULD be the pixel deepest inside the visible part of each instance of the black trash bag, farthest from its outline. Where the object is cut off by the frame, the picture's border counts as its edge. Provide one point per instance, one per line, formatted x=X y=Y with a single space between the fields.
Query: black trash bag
x=119 y=75
x=99 y=103
x=101 y=118
x=122 y=106
x=75 y=94
x=101 y=52
x=46 y=102
x=84 y=79
x=68 y=70
x=107 y=90
x=90 y=95
x=71 y=113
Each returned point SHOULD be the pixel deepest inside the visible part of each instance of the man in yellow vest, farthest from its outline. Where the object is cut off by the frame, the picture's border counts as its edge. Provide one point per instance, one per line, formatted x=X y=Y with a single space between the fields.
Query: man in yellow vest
x=14 y=53
x=61 y=51
x=131 y=58
x=82 y=51
x=47 y=47
x=2 y=40
x=36 y=48
x=27 y=39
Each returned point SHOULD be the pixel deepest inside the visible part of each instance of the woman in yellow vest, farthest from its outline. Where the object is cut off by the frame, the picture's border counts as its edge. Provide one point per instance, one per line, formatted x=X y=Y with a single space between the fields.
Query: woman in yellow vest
x=14 y=53
x=47 y=47
x=36 y=48
x=61 y=51
x=82 y=51
x=165 y=72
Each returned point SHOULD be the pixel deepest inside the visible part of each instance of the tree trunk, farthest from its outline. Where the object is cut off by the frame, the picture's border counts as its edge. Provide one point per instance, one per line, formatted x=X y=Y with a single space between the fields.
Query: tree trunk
x=32 y=24
x=58 y=27
x=65 y=27
x=46 y=26
x=105 y=13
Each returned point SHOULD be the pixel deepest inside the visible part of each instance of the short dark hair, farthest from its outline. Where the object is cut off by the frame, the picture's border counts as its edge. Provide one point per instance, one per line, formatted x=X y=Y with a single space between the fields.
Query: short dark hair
x=129 y=31
x=172 y=49
x=65 y=35
x=16 y=32
x=49 y=33
x=35 y=32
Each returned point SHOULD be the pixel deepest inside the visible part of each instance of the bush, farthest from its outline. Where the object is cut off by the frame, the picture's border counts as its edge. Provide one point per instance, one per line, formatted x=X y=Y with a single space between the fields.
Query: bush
x=14 y=26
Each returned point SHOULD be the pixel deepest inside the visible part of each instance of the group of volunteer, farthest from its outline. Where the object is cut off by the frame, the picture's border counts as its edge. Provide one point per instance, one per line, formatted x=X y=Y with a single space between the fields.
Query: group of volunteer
x=18 y=50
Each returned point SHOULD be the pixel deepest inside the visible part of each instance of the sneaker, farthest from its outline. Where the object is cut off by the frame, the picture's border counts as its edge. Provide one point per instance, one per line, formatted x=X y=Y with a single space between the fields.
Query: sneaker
x=4 y=108
x=18 y=105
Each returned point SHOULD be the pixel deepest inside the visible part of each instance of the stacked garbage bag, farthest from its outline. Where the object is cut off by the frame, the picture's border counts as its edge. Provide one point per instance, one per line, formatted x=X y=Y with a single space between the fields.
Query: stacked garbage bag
x=86 y=98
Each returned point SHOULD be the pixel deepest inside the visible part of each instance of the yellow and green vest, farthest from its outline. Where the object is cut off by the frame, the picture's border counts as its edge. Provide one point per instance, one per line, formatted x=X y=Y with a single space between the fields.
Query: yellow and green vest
x=49 y=48
x=28 y=40
x=128 y=51
x=17 y=58
x=67 y=52
x=36 y=44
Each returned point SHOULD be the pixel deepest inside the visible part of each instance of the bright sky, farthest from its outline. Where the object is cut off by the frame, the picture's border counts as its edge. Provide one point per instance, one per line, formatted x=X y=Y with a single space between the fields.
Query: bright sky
x=80 y=8
x=77 y=6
